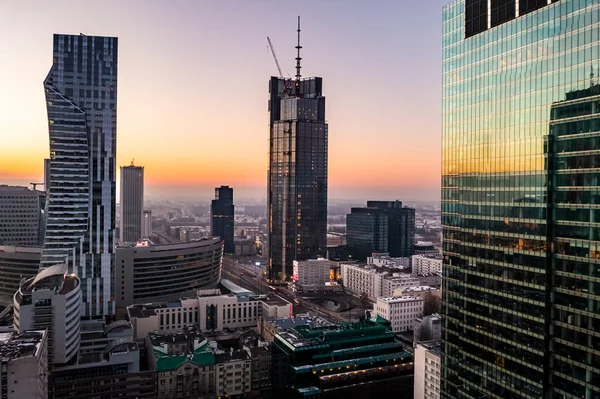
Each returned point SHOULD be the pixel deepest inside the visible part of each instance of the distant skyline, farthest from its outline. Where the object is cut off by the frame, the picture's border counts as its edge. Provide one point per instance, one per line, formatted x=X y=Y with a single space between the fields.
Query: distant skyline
x=193 y=81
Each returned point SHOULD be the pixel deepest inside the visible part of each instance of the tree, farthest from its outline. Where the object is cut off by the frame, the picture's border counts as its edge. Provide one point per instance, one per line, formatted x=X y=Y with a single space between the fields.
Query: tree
x=432 y=303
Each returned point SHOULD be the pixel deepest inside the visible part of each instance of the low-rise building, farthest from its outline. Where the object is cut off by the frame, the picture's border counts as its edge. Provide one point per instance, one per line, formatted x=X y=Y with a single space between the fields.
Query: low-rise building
x=245 y=247
x=268 y=328
x=400 y=311
x=233 y=373
x=362 y=280
x=391 y=286
x=184 y=364
x=423 y=265
x=427 y=328
x=385 y=260
x=210 y=311
x=24 y=361
x=426 y=248
x=361 y=359
x=432 y=280
x=427 y=370
x=312 y=275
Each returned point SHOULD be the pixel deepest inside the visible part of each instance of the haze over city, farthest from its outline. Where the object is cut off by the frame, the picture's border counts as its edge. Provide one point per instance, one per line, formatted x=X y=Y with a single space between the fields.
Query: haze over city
x=193 y=81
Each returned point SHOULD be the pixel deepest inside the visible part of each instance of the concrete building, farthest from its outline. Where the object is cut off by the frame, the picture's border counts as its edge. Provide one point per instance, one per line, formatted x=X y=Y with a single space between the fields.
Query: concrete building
x=146 y=272
x=21 y=218
x=81 y=102
x=233 y=373
x=375 y=282
x=51 y=300
x=422 y=265
x=396 y=283
x=209 y=311
x=312 y=274
x=147 y=224
x=427 y=370
x=400 y=311
x=426 y=248
x=268 y=328
x=24 y=365
x=427 y=328
x=16 y=263
x=432 y=280
x=108 y=365
x=245 y=247
x=131 y=206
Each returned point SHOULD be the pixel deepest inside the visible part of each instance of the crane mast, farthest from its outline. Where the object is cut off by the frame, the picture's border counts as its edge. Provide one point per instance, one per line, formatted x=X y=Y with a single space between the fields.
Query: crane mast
x=275 y=57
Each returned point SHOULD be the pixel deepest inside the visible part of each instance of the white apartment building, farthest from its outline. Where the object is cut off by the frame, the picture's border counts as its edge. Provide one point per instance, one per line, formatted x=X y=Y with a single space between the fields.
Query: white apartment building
x=312 y=274
x=422 y=265
x=427 y=370
x=233 y=372
x=209 y=311
x=360 y=279
x=24 y=360
x=428 y=328
x=400 y=311
x=398 y=281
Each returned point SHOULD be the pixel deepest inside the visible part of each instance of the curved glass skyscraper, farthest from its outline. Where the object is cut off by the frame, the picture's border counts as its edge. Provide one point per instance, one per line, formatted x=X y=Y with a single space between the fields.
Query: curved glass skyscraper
x=81 y=100
x=521 y=199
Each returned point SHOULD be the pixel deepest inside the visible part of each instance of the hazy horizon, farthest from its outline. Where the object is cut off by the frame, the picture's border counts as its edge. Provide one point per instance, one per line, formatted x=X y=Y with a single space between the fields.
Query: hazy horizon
x=193 y=88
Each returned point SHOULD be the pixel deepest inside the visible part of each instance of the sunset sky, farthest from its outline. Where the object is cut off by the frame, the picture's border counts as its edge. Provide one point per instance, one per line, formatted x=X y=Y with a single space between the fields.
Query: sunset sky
x=193 y=85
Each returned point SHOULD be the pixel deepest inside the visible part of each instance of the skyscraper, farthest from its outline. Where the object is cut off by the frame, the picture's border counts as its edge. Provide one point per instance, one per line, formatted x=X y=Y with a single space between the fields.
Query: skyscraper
x=297 y=174
x=81 y=100
x=222 y=214
x=131 y=208
x=383 y=226
x=519 y=198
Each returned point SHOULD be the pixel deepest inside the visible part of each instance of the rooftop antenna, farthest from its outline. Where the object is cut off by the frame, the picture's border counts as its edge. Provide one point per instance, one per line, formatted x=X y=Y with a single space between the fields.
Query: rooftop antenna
x=298 y=58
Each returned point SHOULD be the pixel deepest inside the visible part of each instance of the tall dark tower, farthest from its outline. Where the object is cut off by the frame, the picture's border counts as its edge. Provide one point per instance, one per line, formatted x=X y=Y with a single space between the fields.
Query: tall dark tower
x=222 y=214
x=297 y=174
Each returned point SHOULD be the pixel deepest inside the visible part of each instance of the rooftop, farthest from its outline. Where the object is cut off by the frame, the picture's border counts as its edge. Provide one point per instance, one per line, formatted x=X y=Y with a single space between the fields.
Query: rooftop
x=399 y=299
x=434 y=347
x=300 y=320
x=16 y=346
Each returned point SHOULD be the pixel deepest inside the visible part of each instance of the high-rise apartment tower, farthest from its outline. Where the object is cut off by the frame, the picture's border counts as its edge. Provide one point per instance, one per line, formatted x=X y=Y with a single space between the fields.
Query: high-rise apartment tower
x=81 y=100
x=131 y=206
x=520 y=177
x=297 y=175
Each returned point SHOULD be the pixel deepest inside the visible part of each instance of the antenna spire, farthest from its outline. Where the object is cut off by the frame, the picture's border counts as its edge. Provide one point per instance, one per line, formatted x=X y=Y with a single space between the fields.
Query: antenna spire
x=298 y=58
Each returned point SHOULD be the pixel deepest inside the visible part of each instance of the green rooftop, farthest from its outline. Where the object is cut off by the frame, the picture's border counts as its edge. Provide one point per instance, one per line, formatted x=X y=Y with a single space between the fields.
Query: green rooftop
x=202 y=356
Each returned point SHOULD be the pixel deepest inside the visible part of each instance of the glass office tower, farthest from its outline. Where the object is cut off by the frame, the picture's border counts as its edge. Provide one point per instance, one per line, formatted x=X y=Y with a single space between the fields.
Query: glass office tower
x=81 y=101
x=521 y=199
x=297 y=175
x=223 y=217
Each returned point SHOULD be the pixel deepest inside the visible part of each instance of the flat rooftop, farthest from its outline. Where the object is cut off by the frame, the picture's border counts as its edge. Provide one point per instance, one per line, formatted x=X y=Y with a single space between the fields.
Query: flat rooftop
x=16 y=346
x=399 y=299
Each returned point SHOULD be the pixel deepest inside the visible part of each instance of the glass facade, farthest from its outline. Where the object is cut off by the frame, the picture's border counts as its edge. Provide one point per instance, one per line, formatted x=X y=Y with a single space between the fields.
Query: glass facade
x=81 y=100
x=222 y=214
x=520 y=136
x=131 y=207
x=297 y=175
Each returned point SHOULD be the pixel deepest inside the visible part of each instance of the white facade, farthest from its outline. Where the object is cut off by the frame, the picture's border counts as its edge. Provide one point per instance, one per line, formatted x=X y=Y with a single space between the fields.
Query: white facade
x=422 y=265
x=362 y=280
x=233 y=374
x=427 y=371
x=400 y=311
x=428 y=328
x=312 y=274
x=24 y=360
x=385 y=260
x=51 y=300
x=209 y=311
x=399 y=281
x=147 y=224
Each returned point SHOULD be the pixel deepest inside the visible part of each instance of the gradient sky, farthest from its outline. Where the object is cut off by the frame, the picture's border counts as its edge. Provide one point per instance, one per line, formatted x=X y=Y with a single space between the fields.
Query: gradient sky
x=193 y=82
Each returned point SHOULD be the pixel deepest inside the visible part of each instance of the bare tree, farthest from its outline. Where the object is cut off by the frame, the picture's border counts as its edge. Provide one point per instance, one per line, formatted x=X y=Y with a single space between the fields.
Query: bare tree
x=432 y=304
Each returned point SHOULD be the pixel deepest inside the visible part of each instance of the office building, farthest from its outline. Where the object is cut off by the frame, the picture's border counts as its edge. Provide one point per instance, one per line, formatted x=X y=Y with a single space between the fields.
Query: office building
x=350 y=360
x=400 y=311
x=21 y=217
x=428 y=370
x=427 y=328
x=312 y=274
x=222 y=216
x=81 y=100
x=24 y=360
x=16 y=263
x=147 y=224
x=146 y=272
x=375 y=282
x=107 y=366
x=423 y=266
x=381 y=227
x=131 y=206
x=297 y=174
x=520 y=134
x=51 y=300
x=209 y=310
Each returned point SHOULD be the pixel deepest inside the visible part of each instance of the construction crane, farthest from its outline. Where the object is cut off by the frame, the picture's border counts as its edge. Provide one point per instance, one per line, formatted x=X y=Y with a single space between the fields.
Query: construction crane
x=36 y=184
x=275 y=58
